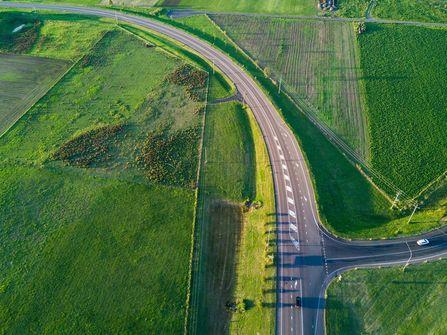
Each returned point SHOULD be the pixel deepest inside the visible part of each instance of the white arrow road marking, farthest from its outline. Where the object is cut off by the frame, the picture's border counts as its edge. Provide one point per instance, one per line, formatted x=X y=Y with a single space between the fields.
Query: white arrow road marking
x=290 y=201
x=286 y=177
x=288 y=188
x=295 y=243
x=292 y=214
x=293 y=227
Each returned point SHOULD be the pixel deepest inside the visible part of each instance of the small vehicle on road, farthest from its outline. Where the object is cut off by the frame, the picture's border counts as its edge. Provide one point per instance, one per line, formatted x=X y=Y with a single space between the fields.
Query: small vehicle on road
x=298 y=302
x=422 y=242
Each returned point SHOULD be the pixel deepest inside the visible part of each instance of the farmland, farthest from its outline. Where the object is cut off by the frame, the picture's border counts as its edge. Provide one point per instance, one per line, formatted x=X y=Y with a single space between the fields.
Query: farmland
x=23 y=80
x=234 y=241
x=426 y=11
x=87 y=246
x=405 y=10
x=356 y=304
x=315 y=61
x=406 y=102
x=348 y=204
x=290 y=7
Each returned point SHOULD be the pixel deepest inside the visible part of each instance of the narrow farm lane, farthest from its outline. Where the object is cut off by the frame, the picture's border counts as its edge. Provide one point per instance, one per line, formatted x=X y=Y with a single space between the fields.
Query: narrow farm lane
x=308 y=256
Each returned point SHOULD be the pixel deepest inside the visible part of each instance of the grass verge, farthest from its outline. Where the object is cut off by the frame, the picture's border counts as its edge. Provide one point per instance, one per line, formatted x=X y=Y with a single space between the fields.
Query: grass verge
x=230 y=287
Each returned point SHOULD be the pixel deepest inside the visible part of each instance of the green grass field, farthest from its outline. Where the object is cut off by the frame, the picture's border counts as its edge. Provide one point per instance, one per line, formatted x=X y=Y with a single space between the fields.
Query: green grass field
x=389 y=301
x=316 y=62
x=406 y=102
x=92 y=243
x=226 y=182
x=289 y=7
x=91 y=255
x=234 y=241
x=23 y=80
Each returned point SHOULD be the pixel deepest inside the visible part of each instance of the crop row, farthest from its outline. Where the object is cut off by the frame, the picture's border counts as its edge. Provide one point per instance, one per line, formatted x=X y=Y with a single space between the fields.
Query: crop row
x=407 y=102
x=315 y=61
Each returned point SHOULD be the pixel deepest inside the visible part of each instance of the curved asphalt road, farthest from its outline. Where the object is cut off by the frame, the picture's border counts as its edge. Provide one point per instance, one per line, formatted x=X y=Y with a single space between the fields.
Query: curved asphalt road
x=308 y=256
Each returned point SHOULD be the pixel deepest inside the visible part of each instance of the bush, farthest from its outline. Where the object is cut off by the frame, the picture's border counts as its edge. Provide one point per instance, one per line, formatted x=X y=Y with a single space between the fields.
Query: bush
x=88 y=148
x=21 y=41
x=194 y=80
x=170 y=158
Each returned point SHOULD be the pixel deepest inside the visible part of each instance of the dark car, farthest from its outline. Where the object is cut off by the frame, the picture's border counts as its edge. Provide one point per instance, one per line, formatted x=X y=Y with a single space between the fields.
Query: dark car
x=298 y=302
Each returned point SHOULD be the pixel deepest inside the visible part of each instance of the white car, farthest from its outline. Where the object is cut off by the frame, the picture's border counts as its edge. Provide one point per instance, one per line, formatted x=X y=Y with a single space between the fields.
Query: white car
x=424 y=241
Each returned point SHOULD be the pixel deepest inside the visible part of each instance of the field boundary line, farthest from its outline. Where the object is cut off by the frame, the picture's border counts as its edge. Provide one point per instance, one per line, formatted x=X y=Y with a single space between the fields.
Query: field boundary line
x=196 y=246
x=427 y=187
x=55 y=82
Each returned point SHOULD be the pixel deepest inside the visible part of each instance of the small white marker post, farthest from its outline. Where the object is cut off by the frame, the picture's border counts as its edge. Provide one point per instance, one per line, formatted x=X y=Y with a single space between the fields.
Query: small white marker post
x=279 y=88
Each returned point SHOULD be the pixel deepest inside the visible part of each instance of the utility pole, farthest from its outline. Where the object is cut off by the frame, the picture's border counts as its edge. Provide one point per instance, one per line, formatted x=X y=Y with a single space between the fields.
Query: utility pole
x=414 y=210
x=396 y=199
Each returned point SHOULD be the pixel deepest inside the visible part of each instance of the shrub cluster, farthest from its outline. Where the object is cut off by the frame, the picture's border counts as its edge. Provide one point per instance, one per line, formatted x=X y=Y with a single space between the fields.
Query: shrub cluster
x=92 y=59
x=89 y=148
x=170 y=158
x=22 y=41
x=194 y=80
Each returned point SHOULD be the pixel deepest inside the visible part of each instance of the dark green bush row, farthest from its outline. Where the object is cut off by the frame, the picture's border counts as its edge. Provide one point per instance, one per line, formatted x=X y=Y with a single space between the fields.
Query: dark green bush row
x=89 y=148
x=170 y=158
x=194 y=80
x=23 y=40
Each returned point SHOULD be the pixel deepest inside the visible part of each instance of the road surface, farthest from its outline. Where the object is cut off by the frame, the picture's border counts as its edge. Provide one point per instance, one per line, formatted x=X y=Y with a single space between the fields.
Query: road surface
x=308 y=256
